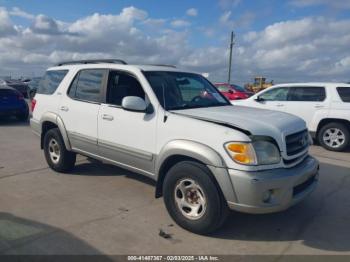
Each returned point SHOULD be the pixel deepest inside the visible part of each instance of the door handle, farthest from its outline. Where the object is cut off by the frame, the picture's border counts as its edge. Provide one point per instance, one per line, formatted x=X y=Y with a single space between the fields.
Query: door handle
x=107 y=117
x=319 y=106
x=64 y=108
x=280 y=105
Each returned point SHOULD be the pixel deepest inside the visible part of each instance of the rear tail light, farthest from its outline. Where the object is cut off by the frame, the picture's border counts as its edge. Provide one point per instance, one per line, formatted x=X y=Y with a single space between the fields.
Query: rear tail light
x=33 y=104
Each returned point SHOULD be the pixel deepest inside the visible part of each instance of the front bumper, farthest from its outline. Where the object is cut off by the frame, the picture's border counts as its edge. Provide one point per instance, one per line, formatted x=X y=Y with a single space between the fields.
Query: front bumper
x=273 y=190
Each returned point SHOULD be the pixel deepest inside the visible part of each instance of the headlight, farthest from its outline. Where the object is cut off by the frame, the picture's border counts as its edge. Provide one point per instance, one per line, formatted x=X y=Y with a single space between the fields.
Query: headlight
x=266 y=152
x=256 y=153
x=242 y=153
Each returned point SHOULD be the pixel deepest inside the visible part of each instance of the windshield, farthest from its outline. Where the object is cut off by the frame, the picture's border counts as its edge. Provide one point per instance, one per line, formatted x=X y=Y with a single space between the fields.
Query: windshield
x=177 y=90
x=239 y=88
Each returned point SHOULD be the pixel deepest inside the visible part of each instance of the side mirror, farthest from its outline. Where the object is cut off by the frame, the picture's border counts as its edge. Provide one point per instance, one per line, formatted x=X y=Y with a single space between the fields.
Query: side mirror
x=134 y=103
x=230 y=91
x=259 y=99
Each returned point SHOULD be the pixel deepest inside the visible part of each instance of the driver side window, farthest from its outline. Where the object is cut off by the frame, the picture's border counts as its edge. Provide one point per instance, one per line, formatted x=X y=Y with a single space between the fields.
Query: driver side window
x=276 y=94
x=120 y=85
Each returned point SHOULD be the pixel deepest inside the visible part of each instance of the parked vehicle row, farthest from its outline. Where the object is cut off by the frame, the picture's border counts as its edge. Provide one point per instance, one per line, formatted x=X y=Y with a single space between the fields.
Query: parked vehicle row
x=325 y=107
x=13 y=95
x=12 y=103
x=232 y=91
x=206 y=155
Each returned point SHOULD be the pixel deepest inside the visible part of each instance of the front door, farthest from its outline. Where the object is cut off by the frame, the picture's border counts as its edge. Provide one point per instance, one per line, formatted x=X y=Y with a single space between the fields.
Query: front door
x=126 y=137
x=272 y=99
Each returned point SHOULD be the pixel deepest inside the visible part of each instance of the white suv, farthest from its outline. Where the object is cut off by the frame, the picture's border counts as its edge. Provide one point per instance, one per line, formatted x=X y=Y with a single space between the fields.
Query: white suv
x=175 y=127
x=325 y=107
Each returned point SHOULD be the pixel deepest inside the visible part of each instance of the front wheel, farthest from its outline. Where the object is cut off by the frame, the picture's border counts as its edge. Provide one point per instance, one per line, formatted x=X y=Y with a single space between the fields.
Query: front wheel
x=334 y=136
x=193 y=199
x=56 y=154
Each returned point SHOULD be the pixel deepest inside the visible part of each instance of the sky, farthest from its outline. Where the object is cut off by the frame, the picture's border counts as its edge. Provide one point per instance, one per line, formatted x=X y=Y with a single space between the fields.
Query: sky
x=285 y=41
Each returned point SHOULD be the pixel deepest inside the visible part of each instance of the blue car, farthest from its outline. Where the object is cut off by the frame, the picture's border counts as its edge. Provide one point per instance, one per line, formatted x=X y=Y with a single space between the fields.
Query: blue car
x=12 y=103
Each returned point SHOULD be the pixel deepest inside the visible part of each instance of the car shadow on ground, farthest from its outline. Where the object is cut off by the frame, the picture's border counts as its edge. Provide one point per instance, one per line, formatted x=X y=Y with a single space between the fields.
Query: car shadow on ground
x=97 y=168
x=22 y=236
x=321 y=221
x=12 y=121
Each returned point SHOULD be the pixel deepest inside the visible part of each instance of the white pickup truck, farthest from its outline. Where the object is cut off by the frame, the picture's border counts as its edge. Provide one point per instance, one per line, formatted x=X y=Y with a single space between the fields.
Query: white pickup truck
x=206 y=155
x=325 y=107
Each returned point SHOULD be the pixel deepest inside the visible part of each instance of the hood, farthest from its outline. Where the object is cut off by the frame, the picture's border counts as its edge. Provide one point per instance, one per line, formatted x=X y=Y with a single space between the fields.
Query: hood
x=250 y=120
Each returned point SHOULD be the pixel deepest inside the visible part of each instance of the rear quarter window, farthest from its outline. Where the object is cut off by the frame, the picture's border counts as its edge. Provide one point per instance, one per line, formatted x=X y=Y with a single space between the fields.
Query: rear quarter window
x=344 y=93
x=50 y=81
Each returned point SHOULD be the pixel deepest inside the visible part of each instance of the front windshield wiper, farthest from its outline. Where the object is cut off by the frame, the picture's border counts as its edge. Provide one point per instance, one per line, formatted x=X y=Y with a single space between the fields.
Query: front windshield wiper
x=195 y=106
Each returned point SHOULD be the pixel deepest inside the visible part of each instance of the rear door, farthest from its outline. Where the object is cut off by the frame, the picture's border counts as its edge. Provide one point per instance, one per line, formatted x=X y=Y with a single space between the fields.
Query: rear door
x=306 y=102
x=80 y=106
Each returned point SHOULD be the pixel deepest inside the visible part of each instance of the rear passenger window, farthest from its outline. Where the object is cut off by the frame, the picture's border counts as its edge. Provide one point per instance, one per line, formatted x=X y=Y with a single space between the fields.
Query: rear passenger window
x=50 y=81
x=87 y=85
x=344 y=93
x=308 y=93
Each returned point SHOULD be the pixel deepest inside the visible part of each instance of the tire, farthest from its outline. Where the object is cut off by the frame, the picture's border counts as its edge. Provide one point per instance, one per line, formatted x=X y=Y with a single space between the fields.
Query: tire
x=196 y=177
x=340 y=140
x=56 y=154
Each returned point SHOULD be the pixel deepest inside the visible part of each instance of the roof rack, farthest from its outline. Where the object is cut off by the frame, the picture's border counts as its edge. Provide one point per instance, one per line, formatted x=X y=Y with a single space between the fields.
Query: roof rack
x=93 y=61
x=165 y=65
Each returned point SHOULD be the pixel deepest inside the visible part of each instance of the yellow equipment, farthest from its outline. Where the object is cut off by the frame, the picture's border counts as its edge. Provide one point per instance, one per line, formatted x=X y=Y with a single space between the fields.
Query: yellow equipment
x=259 y=84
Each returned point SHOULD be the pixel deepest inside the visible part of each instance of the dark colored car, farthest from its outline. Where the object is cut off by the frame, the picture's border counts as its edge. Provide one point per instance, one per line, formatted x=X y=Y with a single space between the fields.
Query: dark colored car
x=21 y=87
x=233 y=92
x=12 y=103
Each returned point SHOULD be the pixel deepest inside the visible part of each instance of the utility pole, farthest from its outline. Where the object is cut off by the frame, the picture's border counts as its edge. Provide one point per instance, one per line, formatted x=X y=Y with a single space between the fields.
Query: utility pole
x=232 y=43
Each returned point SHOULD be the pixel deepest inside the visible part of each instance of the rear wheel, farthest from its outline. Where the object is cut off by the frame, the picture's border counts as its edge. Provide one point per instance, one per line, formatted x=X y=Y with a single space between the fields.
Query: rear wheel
x=56 y=154
x=334 y=136
x=193 y=199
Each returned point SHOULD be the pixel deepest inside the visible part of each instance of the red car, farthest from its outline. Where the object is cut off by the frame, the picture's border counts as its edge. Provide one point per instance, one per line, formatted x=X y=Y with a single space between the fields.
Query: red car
x=233 y=92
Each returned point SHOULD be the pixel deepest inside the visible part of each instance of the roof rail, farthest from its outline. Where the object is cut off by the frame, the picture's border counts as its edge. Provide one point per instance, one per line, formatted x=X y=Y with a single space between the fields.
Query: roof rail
x=93 y=61
x=165 y=65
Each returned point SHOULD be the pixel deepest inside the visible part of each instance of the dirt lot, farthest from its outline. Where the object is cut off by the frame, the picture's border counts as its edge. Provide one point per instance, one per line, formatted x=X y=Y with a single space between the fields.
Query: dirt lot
x=101 y=209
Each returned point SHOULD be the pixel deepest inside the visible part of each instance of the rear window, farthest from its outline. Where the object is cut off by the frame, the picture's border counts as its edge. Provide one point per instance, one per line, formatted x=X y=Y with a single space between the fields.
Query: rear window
x=23 y=89
x=7 y=92
x=50 y=81
x=344 y=93
x=223 y=88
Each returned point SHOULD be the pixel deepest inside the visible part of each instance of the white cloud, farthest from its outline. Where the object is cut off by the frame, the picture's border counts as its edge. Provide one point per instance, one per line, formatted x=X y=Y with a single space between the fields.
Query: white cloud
x=296 y=50
x=180 y=23
x=20 y=13
x=156 y=23
x=6 y=26
x=192 y=12
x=339 y=4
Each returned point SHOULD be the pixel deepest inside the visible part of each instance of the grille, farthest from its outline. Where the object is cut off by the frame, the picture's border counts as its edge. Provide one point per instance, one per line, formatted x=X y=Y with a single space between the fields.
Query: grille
x=297 y=142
